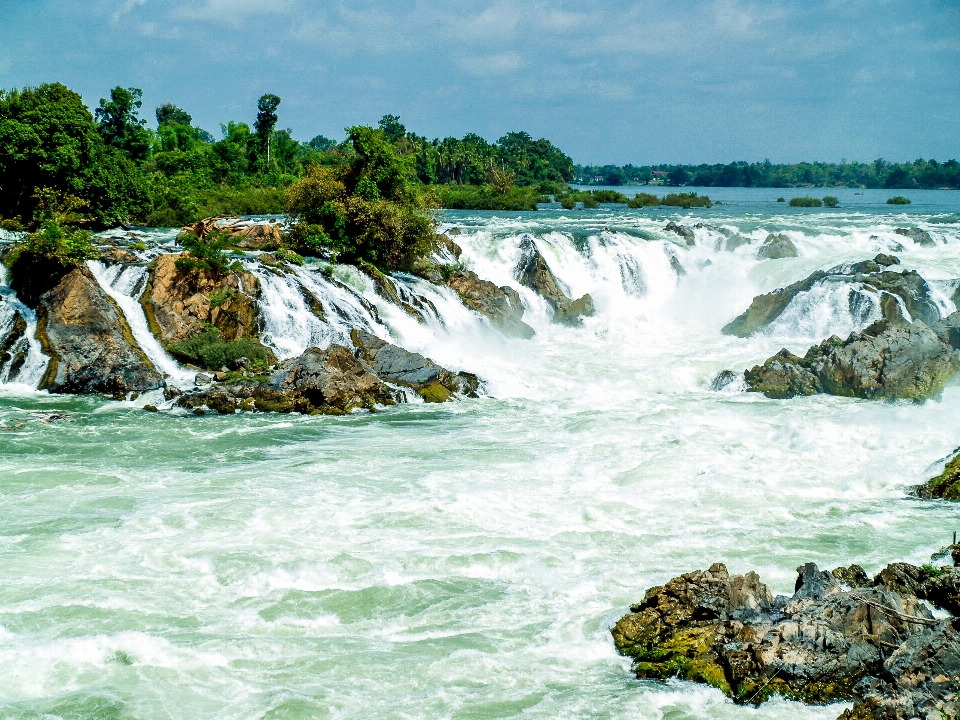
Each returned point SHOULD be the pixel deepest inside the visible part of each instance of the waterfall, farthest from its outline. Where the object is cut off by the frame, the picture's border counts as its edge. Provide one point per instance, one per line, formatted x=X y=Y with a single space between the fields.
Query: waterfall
x=125 y=284
x=26 y=363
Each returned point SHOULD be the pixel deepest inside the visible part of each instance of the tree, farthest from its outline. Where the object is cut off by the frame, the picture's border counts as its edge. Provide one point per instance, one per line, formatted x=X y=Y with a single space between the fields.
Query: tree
x=322 y=144
x=120 y=126
x=392 y=128
x=266 y=121
x=170 y=114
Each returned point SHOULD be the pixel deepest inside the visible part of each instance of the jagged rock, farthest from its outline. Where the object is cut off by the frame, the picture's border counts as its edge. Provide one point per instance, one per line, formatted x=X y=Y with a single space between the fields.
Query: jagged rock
x=776 y=247
x=920 y=237
x=884 y=361
x=875 y=646
x=946 y=485
x=180 y=305
x=90 y=345
x=854 y=576
x=330 y=381
x=117 y=256
x=501 y=305
x=533 y=272
x=683 y=231
x=401 y=367
x=908 y=286
x=386 y=287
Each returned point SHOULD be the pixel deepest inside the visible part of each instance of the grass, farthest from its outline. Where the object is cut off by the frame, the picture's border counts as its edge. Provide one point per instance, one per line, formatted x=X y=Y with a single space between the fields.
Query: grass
x=210 y=351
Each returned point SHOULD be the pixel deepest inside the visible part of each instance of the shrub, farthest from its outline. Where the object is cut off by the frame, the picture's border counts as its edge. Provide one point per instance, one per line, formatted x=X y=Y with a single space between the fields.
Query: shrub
x=898 y=200
x=567 y=202
x=210 y=351
x=486 y=197
x=686 y=200
x=45 y=256
x=805 y=201
x=610 y=196
x=205 y=253
x=643 y=200
x=780 y=199
x=830 y=201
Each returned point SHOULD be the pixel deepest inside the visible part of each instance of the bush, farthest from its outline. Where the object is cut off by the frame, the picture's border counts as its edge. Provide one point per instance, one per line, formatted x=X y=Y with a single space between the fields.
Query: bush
x=485 y=197
x=805 y=201
x=210 y=351
x=205 y=253
x=780 y=199
x=642 y=200
x=686 y=200
x=898 y=200
x=45 y=256
x=610 y=196
x=830 y=201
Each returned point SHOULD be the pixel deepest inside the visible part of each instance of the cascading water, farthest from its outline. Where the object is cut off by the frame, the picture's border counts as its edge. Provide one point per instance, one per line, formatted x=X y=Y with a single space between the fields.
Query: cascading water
x=23 y=363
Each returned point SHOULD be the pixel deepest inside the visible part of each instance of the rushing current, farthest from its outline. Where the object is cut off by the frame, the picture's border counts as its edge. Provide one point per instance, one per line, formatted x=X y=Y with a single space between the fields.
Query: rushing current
x=465 y=560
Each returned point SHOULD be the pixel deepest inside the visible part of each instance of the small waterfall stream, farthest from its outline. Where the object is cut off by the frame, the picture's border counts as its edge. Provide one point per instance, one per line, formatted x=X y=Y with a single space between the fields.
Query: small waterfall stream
x=26 y=363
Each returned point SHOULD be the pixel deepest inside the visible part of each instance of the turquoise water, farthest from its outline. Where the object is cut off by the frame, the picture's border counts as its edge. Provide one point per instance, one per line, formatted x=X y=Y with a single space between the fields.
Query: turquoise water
x=467 y=560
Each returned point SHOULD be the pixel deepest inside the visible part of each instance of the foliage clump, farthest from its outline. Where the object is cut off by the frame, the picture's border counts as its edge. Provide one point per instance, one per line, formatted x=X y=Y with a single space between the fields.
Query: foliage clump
x=898 y=200
x=210 y=351
x=43 y=257
x=642 y=200
x=686 y=200
x=806 y=201
x=204 y=253
x=830 y=201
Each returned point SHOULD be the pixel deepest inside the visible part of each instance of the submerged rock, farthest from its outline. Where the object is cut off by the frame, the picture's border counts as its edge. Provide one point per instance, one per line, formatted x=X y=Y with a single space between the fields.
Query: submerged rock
x=920 y=237
x=501 y=305
x=876 y=646
x=885 y=361
x=330 y=382
x=401 y=367
x=533 y=272
x=90 y=345
x=683 y=231
x=871 y=275
x=776 y=247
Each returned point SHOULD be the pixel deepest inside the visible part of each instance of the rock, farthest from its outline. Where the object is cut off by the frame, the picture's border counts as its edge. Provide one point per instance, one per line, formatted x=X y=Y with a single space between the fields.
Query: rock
x=533 y=272
x=331 y=382
x=683 y=231
x=724 y=379
x=501 y=305
x=89 y=342
x=920 y=237
x=892 y=288
x=394 y=364
x=243 y=233
x=443 y=259
x=151 y=408
x=854 y=576
x=13 y=352
x=180 y=305
x=117 y=256
x=389 y=289
x=879 y=647
x=884 y=361
x=776 y=247
x=202 y=379
x=946 y=485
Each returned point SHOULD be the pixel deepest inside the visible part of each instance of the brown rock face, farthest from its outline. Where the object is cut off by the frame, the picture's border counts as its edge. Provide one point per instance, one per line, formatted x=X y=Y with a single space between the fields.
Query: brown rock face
x=500 y=304
x=179 y=304
x=90 y=344
x=260 y=236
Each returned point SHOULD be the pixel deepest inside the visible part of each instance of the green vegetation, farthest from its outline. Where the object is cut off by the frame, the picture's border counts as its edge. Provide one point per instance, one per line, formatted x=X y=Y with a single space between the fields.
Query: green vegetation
x=486 y=197
x=780 y=199
x=642 y=200
x=898 y=200
x=204 y=254
x=830 y=201
x=39 y=262
x=806 y=201
x=686 y=200
x=209 y=350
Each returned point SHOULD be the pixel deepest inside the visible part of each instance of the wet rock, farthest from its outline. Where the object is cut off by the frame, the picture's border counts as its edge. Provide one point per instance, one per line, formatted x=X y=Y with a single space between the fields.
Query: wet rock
x=442 y=260
x=854 y=576
x=683 y=231
x=389 y=289
x=533 y=272
x=151 y=408
x=894 y=289
x=776 y=247
x=13 y=352
x=330 y=382
x=875 y=646
x=885 y=361
x=501 y=305
x=920 y=237
x=946 y=485
x=90 y=345
x=117 y=256
x=724 y=379
x=401 y=367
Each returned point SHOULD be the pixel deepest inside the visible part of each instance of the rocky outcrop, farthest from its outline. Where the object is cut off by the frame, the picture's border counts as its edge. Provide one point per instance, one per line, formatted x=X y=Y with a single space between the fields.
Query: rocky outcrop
x=885 y=361
x=181 y=304
x=244 y=234
x=329 y=382
x=533 y=272
x=683 y=231
x=389 y=289
x=401 y=367
x=920 y=237
x=89 y=343
x=877 y=646
x=946 y=485
x=776 y=247
x=501 y=305
x=867 y=278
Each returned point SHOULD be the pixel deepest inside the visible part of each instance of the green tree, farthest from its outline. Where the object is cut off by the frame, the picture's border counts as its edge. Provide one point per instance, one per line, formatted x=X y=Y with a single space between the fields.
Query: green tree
x=266 y=121
x=392 y=127
x=170 y=114
x=120 y=126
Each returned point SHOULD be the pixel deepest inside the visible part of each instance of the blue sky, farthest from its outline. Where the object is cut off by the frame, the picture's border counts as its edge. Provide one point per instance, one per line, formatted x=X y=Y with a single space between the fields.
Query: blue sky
x=642 y=82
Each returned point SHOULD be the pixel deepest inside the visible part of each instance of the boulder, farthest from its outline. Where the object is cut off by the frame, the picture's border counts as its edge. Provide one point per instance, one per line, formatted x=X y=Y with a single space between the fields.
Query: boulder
x=501 y=305
x=90 y=345
x=885 y=361
x=776 y=247
x=876 y=646
x=908 y=286
x=401 y=367
x=533 y=272
x=245 y=234
x=920 y=237
x=330 y=382
x=683 y=231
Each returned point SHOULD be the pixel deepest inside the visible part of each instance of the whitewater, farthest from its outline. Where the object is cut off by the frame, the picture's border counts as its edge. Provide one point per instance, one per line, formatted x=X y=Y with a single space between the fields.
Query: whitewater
x=465 y=560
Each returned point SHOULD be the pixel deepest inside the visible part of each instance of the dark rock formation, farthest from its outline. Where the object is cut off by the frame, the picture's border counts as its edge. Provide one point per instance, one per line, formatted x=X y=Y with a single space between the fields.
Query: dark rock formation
x=533 y=272
x=501 y=305
x=885 y=361
x=394 y=364
x=330 y=382
x=683 y=231
x=89 y=343
x=920 y=237
x=776 y=247
x=908 y=286
x=876 y=646
x=946 y=485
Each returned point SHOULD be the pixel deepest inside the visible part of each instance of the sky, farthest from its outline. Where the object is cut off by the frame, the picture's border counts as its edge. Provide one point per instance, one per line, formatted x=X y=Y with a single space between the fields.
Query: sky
x=607 y=81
